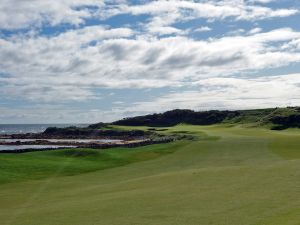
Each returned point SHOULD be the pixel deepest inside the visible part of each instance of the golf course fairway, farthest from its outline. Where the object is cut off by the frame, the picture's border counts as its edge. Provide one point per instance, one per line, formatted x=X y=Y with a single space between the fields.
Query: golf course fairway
x=226 y=176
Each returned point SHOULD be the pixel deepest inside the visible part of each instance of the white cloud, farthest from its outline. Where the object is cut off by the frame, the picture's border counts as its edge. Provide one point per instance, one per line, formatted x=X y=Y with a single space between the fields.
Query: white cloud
x=86 y=59
x=161 y=30
x=185 y=9
x=255 y=30
x=164 y=14
x=202 y=29
x=36 y=12
x=261 y=1
x=237 y=32
x=228 y=93
x=16 y=14
x=56 y=114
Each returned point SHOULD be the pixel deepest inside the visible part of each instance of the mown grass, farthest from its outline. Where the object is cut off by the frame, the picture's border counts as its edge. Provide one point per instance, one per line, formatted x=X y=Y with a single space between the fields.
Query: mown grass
x=228 y=176
x=38 y=165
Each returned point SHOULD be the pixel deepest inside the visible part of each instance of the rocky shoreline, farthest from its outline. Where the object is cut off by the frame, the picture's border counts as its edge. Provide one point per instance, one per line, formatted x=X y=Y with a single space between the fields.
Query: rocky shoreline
x=126 y=144
x=74 y=137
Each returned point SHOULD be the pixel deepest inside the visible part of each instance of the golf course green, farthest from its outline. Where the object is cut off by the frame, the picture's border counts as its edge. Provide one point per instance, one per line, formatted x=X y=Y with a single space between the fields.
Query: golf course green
x=227 y=175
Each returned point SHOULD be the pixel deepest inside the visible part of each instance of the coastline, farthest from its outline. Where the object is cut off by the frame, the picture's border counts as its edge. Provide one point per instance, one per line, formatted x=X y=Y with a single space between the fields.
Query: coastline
x=126 y=144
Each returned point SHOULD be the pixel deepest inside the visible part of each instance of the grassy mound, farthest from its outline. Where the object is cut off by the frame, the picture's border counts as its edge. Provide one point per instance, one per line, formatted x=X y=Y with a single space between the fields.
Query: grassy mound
x=276 y=118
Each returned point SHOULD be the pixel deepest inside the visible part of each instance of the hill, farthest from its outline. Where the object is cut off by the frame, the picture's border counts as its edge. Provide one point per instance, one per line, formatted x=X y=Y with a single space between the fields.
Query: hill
x=275 y=118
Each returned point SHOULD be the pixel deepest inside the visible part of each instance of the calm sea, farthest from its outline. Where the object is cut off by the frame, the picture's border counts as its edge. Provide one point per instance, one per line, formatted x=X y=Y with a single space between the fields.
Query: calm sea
x=31 y=128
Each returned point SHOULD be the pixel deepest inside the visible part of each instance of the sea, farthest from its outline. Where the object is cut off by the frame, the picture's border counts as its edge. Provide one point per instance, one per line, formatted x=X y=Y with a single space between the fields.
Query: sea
x=31 y=128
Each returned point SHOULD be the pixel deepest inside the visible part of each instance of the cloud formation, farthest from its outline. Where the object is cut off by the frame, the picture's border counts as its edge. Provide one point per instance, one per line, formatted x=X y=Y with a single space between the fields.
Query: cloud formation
x=38 y=13
x=65 y=52
x=96 y=56
x=229 y=93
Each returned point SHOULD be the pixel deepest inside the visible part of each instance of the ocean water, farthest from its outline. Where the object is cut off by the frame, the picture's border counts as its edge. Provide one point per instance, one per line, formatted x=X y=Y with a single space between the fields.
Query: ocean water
x=31 y=128
x=21 y=147
x=81 y=141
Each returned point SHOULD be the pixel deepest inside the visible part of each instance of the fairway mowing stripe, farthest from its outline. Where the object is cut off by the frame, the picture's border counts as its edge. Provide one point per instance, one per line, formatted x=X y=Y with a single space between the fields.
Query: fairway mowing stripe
x=34 y=196
x=194 y=172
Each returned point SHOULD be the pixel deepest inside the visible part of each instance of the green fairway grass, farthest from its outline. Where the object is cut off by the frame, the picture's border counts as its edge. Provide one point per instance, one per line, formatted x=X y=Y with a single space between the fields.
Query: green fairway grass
x=227 y=175
x=38 y=165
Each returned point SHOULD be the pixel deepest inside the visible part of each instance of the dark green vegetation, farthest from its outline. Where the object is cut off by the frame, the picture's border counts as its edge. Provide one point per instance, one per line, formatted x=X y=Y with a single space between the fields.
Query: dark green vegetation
x=276 y=118
x=227 y=175
x=286 y=121
x=174 y=117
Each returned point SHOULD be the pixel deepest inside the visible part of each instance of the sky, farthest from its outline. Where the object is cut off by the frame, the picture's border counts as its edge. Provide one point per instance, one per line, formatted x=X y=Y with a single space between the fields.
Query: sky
x=85 y=61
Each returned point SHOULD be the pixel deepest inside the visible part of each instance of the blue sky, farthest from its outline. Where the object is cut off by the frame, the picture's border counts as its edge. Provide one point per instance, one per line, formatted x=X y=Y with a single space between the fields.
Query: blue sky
x=83 y=61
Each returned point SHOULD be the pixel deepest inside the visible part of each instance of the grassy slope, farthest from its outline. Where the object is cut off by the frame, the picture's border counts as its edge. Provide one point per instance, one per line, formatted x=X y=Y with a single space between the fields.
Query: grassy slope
x=39 y=165
x=246 y=176
x=249 y=118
